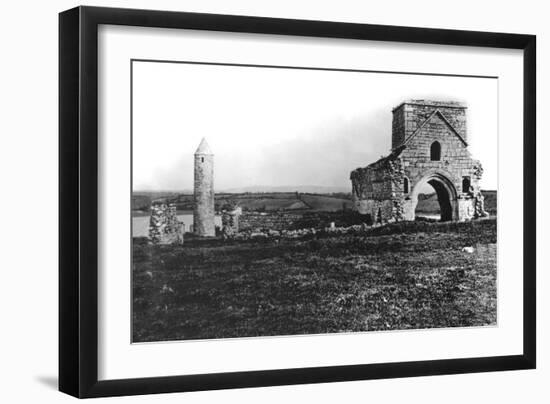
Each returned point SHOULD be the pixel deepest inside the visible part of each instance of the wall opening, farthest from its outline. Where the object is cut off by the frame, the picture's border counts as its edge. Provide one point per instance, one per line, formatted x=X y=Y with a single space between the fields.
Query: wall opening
x=202 y=159
x=434 y=202
x=435 y=151
x=353 y=190
x=368 y=219
x=405 y=185
x=466 y=184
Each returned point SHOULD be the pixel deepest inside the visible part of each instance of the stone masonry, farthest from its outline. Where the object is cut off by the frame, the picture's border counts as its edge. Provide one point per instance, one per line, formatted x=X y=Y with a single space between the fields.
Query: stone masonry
x=164 y=227
x=429 y=145
x=203 y=212
x=236 y=221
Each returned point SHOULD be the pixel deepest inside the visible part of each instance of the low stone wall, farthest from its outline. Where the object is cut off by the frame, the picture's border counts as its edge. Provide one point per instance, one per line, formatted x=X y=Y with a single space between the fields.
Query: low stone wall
x=237 y=221
x=164 y=227
x=267 y=221
x=301 y=233
x=376 y=229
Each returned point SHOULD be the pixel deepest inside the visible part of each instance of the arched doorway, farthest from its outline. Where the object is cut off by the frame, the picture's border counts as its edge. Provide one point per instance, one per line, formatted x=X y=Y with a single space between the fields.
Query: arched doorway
x=434 y=197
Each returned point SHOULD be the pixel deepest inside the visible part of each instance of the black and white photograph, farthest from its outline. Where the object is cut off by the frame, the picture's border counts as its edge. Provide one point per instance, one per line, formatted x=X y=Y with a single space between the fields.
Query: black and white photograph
x=275 y=202
x=270 y=201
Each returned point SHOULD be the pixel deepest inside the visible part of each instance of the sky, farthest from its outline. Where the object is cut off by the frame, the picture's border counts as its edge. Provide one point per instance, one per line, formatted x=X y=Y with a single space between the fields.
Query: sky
x=277 y=127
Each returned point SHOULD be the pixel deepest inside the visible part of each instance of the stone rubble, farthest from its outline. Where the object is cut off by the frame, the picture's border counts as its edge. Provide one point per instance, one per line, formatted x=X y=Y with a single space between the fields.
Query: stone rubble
x=299 y=233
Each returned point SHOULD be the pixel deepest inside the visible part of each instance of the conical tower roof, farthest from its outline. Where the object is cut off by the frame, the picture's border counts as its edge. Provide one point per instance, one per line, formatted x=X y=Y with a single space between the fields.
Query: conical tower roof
x=203 y=147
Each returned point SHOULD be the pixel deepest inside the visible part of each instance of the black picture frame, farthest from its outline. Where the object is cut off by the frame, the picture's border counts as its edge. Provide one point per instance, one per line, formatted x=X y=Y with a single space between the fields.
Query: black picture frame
x=78 y=201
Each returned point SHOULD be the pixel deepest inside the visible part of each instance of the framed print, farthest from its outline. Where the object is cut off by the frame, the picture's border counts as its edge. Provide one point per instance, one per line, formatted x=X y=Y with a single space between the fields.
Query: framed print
x=250 y=201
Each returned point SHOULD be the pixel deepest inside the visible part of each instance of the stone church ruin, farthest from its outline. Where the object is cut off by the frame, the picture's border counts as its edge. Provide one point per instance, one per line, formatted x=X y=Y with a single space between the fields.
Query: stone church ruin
x=429 y=146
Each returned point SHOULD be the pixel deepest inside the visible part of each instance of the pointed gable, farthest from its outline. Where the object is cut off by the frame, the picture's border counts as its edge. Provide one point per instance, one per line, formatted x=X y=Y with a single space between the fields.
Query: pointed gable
x=439 y=114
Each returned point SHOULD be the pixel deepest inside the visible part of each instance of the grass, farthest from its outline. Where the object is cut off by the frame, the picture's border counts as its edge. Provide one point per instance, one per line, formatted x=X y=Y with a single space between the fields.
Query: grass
x=428 y=203
x=326 y=203
x=268 y=201
x=404 y=276
x=292 y=201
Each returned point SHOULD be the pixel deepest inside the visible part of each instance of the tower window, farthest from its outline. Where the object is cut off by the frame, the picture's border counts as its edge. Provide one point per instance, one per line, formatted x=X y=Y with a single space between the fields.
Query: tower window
x=405 y=185
x=202 y=159
x=435 y=151
x=466 y=184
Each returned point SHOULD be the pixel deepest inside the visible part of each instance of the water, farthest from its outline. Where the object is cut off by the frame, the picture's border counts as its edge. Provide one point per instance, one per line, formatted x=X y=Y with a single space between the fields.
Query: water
x=435 y=216
x=140 y=224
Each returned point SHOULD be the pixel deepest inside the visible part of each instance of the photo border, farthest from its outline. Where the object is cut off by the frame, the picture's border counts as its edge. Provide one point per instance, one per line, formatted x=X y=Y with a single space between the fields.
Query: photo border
x=78 y=193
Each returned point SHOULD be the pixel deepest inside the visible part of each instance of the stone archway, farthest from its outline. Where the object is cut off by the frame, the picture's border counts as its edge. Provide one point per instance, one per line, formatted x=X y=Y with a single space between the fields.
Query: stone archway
x=446 y=196
x=429 y=148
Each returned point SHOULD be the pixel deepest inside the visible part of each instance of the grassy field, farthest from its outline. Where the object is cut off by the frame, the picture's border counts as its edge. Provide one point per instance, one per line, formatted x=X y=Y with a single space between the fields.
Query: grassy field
x=401 y=276
x=326 y=203
x=289 y=201
x=428 y=203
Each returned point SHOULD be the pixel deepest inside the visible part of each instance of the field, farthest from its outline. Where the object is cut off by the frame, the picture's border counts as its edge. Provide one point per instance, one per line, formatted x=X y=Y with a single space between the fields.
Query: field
x=256 y=201
x=400 y=276
x=288 y=201
x=428 y=204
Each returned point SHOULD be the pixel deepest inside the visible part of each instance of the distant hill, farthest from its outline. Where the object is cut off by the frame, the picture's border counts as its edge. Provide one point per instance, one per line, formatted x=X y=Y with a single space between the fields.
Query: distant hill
x=294 y=201
x=326 y=203
x=312 y=189
x=258 y=201
x=142 y=200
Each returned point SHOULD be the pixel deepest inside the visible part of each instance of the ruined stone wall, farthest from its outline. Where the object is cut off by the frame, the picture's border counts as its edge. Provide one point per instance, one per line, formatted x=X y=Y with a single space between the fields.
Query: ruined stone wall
x=377 y=190
x=409 y=116
x=267 y=220
x=164 y=227
x=203 y=212
x=230 y=221
x=388 y=188
x=237 y=221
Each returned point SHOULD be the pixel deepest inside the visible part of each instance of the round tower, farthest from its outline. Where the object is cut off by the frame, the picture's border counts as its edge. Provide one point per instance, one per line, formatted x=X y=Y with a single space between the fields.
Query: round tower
x=203 y=212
